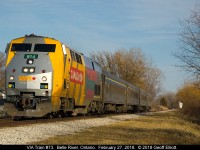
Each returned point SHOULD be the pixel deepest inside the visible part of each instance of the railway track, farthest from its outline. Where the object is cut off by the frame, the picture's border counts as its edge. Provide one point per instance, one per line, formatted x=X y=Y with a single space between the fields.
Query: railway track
x=9 y=122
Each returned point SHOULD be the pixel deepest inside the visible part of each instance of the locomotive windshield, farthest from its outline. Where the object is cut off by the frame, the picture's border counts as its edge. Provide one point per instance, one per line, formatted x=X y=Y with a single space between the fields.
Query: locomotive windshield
x=26 y=47
x=45 y=47
x=21 y=47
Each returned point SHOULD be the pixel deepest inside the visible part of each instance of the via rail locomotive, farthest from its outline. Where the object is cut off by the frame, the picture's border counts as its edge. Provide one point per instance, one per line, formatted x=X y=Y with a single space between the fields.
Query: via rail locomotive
x=46 y=78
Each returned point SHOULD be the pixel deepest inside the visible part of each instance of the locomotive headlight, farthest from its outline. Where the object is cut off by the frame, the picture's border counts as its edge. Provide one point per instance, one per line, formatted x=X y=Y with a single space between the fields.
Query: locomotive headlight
x=28 y=69
x=25 y=70
x=30 y=61
x=44 y=78
x=11 y=77
x=32 y=70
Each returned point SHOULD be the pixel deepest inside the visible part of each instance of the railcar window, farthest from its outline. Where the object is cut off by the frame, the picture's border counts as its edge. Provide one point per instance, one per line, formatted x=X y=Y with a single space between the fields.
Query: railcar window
x=45 y=47
x=117 y=89
x=88 y=62
x=97 y=67
x=143 y=97
x=136 y=95
x=21 y=47
x=97 y=90
x=131 y=94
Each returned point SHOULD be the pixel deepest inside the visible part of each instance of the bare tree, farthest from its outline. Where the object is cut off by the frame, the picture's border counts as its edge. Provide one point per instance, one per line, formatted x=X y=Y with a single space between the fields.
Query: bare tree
x=106 y=60
x=153 y=77
x=189 y=48
x=2 y=70
x=132 y=66
x=127 y=65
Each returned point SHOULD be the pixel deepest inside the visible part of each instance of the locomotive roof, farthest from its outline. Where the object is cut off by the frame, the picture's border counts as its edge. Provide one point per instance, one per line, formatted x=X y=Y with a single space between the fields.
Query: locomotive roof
x=34 y=35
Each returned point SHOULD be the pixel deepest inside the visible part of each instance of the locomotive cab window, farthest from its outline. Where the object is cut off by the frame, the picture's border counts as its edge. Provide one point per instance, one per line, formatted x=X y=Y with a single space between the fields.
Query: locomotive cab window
x=73 y=55
x=45 y=47
x=21 y=47
x=78 y=58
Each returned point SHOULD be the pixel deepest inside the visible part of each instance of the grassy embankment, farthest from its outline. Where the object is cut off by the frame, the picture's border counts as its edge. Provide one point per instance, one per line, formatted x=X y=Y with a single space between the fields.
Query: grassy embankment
x=156 y=128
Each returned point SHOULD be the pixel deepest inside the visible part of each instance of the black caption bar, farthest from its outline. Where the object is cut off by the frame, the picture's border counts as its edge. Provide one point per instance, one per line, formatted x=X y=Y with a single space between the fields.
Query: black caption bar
x=99 y=147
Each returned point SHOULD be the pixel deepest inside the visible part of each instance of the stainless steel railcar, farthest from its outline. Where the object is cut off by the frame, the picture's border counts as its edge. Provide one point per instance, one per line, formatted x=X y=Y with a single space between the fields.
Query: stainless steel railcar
x=121 y=96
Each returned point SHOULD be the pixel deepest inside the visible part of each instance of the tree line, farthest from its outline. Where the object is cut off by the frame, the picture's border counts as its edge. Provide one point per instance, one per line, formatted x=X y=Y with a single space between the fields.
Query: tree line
x=132 y=66
x=2 y=70
x=188 y=54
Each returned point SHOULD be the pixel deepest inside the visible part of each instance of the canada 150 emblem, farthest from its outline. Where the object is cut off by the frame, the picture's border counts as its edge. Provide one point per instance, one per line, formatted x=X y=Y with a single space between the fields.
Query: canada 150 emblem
x=76 y=76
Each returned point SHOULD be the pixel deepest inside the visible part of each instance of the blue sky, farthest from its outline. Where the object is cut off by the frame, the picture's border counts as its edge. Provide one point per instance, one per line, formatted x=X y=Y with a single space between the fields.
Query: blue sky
x=96 y=25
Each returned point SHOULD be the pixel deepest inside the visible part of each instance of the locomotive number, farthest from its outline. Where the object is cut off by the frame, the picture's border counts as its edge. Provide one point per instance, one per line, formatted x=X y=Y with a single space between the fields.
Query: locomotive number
x=31 y=56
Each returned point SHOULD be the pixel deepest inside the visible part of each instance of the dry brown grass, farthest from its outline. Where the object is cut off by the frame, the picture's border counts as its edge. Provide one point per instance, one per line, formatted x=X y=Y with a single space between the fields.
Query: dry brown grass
x=156 y=107
x=189 y=95
x=155 y=128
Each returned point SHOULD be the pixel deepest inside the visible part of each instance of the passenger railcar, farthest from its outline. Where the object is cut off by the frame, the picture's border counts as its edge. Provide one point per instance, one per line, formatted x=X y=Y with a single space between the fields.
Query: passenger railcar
x=46 y=78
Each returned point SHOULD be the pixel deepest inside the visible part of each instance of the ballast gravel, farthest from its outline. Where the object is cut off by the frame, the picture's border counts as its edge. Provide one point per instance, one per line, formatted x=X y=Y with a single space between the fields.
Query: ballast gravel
x=41 y=131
